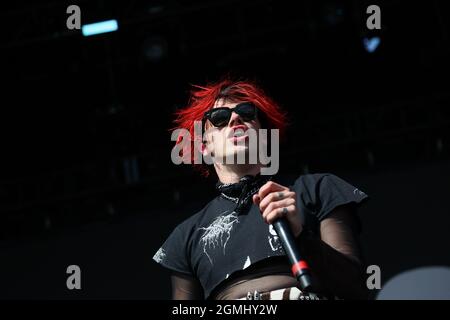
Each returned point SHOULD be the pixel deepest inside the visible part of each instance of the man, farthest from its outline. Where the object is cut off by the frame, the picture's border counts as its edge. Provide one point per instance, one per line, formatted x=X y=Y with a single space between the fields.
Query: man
x=229 y=249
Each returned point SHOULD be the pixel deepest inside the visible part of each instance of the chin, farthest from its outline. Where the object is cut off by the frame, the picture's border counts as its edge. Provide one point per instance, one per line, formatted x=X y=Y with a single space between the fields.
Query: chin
x=240 y=150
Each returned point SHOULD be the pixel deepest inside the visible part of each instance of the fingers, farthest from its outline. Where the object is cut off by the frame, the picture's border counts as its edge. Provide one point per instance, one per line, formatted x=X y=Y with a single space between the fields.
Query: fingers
x=256 y=199
x=274 y=197
x=269 y=187
x=279 y=213
x=276 y=201
x=275 y=209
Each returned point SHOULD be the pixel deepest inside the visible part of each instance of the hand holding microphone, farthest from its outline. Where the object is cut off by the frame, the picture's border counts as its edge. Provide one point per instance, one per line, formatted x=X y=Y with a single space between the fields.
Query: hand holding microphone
x=278 y=207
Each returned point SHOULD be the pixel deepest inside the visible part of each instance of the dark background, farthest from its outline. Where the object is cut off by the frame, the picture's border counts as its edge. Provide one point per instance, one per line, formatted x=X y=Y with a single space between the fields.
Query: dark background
x=86 y=176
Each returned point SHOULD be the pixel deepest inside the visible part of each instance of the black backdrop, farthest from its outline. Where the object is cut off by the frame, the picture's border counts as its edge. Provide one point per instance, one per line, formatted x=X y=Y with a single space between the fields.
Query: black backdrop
x=86 y=176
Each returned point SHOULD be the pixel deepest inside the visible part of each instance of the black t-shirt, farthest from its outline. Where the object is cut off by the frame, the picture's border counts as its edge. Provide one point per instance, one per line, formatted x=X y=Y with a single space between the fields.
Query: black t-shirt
x=216 y=241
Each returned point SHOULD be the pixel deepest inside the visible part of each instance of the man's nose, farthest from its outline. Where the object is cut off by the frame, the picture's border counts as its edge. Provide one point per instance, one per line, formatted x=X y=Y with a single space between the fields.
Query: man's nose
x=235 y=119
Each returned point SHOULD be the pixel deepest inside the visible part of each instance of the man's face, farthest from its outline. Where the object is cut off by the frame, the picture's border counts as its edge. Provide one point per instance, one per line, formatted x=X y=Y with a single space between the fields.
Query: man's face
x=228 y=141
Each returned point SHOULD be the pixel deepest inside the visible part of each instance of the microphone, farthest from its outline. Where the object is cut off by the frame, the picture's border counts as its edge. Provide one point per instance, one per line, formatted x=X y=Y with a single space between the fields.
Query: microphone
x=299 y=268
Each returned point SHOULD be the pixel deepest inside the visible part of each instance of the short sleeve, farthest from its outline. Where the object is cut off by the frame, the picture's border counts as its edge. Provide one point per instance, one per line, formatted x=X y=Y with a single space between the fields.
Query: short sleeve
x=321 y=193
x=173 y=254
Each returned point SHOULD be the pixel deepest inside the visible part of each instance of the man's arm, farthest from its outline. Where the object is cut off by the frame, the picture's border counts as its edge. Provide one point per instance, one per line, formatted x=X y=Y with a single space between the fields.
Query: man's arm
x=335 y=258
x=185 y=287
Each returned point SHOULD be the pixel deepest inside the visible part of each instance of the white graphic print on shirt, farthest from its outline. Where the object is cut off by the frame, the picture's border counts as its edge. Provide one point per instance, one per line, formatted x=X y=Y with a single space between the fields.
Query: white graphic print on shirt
x=218 y=232
x=159 y=255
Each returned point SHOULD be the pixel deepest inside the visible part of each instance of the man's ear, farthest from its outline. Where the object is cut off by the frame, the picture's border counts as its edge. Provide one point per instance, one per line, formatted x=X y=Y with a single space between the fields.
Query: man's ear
x=207 y=153
x=205 y=148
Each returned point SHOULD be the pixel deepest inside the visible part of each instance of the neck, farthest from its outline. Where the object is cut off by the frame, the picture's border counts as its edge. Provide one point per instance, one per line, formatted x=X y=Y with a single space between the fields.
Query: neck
x=232 y=173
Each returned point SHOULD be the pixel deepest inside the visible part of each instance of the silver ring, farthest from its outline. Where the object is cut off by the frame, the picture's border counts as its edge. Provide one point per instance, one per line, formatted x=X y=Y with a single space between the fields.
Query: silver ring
x=284 y=211
x=280 y=195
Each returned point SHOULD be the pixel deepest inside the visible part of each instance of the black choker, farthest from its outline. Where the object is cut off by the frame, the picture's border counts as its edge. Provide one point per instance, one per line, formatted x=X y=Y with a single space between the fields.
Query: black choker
x=241 y=192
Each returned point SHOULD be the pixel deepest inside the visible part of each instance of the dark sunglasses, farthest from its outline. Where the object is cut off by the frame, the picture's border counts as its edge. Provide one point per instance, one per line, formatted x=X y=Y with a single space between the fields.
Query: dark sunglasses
x=220 y=117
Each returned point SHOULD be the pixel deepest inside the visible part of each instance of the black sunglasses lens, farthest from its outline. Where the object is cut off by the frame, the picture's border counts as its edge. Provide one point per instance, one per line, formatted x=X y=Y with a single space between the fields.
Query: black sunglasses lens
x=220 y=117
x=246 y=111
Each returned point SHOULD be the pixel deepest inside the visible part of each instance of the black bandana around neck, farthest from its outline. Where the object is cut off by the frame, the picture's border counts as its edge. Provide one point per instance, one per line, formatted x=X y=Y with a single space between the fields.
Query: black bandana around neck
x=241 y=192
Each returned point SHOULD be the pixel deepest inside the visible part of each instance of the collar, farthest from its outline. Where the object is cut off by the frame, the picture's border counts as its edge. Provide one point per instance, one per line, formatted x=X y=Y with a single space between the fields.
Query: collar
x=241 y=192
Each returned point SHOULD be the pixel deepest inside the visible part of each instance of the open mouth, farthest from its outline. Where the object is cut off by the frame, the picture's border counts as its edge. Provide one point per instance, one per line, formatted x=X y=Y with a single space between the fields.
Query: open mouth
x=239 y=134
x=240 y=138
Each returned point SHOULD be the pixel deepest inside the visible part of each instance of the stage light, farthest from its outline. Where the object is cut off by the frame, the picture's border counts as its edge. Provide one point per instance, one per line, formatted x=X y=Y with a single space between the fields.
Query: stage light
x=99 y=27
x=155 y=48
x=371 y=44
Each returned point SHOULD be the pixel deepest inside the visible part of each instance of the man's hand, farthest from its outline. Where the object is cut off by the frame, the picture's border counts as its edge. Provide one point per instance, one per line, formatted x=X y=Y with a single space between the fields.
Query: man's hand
x=276 y=201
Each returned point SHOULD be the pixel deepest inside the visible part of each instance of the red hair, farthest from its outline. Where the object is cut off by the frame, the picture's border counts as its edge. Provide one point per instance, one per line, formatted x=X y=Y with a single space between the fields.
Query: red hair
x=203 y=98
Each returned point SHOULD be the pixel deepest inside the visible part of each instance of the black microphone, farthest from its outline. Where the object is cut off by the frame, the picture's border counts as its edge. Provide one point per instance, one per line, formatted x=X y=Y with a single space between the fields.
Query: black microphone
x=299 y=267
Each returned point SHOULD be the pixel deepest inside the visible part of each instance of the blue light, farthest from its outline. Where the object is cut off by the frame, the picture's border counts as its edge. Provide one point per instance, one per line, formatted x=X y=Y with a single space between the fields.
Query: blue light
x=371 y=44
x=99 y=27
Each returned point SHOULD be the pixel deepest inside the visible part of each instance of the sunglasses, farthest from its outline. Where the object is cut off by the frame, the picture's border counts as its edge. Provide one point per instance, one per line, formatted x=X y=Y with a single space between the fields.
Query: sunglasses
x=220 y=117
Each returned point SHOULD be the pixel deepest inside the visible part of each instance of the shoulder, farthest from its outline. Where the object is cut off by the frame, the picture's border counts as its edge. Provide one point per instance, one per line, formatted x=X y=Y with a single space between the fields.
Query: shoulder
x=314 y=178
x=310 y=184
x=175 y=252
x=324 y=183
x=197 y=219
x=322 y=192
